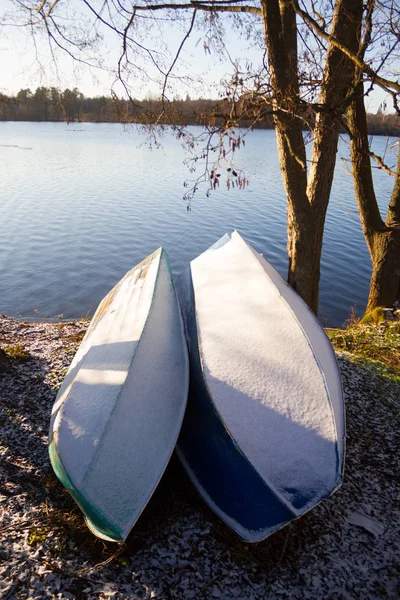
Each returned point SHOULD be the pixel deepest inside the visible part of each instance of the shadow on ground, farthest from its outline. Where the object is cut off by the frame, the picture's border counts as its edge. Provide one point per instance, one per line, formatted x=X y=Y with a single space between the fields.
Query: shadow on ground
x=178 y=548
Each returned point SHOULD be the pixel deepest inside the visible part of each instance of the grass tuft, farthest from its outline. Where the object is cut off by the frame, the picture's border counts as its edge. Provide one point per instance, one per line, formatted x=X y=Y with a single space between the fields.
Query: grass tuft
x=374 y=317
x=36 y=536
x=376 y=346
x=17 y=352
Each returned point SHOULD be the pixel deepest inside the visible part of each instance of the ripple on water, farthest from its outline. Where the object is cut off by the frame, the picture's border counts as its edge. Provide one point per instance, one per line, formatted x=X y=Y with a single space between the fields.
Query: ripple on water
x=71 y=230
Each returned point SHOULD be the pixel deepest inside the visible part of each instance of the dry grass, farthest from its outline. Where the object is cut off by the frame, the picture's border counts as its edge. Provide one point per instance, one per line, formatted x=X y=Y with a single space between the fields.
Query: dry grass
x=17 y=352
x=378 y=346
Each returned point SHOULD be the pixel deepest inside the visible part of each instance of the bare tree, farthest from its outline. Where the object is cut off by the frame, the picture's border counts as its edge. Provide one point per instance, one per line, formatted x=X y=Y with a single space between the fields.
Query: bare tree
x=382 y=235
x=380 y=29
x=311 y=54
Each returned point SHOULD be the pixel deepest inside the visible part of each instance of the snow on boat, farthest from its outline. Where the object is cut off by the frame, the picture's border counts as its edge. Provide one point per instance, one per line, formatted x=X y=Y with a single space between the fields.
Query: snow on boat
x=263 y=434
x=118 y=413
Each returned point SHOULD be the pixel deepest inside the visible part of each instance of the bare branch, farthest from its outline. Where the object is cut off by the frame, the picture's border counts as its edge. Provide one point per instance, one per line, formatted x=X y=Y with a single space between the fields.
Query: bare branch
x=178 y=53
x=39 y=10
x=368 y=28
x=393 y=214
x=220 y=6
x=378 y=159
x=122 y=34
x=382 y=165
x=386 y=84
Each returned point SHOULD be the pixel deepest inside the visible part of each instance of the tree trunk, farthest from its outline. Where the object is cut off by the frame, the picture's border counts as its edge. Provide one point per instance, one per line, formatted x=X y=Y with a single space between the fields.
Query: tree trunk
x=304 y=250
x=385 y=279
x=307 y=201
x=383 y=238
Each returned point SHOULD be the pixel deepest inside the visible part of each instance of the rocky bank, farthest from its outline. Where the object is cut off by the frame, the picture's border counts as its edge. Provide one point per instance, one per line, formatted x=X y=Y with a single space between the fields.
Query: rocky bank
x=346 y=548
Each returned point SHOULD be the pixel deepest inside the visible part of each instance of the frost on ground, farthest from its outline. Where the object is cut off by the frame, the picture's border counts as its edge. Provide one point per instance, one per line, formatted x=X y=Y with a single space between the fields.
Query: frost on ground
x=347 y=547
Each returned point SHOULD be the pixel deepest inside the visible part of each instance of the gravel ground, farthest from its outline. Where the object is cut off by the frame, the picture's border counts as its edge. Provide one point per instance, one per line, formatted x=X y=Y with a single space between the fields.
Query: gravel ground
x=348 y=547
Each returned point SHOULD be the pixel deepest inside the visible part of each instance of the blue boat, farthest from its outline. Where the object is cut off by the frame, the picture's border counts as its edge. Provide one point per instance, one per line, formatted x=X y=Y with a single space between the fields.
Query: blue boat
x=263 y=434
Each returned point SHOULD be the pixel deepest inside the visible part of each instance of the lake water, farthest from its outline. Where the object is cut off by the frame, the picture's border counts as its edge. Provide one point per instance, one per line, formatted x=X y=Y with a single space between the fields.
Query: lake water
x=81 y=204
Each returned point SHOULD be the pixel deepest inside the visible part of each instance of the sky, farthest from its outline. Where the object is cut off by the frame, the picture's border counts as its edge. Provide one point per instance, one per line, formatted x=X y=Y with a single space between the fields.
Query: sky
x=25 y=66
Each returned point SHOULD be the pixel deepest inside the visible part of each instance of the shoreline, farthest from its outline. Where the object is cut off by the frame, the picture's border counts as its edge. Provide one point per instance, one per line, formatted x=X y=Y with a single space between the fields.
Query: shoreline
x=179 y=549
x=245 y=124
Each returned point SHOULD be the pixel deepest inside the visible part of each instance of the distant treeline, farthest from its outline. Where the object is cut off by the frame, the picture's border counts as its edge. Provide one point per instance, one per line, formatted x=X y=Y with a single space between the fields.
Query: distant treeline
x=51 y=104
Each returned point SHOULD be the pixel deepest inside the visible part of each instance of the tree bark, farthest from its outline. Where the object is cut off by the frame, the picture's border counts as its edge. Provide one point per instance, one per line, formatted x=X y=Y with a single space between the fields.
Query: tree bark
x=385 y=279
x=307 y=198
x=382 y=237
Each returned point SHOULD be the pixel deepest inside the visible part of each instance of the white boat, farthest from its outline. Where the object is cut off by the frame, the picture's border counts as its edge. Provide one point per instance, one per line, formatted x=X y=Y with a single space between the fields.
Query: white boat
x=118 y=413
x=263 y=435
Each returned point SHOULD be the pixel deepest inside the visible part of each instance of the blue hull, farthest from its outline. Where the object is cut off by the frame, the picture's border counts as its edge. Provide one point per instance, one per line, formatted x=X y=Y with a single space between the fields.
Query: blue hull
x=263 y=434
x=217 y=467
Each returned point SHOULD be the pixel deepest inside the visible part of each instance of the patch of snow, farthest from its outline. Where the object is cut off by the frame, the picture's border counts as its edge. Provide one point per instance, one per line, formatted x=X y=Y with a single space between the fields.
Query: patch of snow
x=263 y=374
x=368 y=523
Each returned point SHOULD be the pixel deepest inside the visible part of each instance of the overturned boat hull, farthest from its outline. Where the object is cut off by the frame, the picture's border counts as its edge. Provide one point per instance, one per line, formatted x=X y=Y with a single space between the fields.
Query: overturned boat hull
x=263 y=434
x=118 y=413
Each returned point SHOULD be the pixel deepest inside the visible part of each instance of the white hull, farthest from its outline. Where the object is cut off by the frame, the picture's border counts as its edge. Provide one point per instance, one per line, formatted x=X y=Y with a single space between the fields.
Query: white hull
x=119 y=411
x=270 y=392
